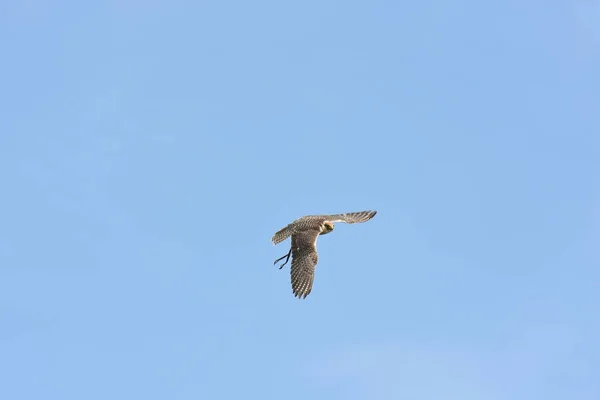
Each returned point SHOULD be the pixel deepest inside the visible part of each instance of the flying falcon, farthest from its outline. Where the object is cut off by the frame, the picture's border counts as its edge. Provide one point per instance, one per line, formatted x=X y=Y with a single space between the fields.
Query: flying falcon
x=304 y=232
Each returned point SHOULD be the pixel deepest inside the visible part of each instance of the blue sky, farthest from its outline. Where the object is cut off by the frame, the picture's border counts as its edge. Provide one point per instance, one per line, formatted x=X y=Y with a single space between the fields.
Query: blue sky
x=149 y=150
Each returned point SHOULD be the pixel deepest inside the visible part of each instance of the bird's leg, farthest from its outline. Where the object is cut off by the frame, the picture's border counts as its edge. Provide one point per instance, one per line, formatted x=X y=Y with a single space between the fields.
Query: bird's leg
x=286 y=259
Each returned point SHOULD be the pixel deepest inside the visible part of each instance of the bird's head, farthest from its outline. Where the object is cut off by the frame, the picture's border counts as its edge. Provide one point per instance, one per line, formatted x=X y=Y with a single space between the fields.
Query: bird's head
x=327 y=227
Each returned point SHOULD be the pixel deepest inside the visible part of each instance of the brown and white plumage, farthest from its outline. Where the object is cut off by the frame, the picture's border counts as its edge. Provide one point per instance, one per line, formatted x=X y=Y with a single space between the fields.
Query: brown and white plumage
x=304 y=232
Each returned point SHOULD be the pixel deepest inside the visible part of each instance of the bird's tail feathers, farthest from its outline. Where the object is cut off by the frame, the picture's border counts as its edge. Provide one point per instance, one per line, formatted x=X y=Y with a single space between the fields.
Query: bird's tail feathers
x=281 y=235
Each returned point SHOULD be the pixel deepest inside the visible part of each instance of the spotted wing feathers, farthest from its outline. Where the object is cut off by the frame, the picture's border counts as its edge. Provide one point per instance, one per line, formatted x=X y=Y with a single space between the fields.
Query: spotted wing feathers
x=304 y=262
x=353 y=217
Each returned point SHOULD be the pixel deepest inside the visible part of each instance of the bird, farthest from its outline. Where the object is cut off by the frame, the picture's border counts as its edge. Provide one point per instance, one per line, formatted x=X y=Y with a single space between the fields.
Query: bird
x=303 y=250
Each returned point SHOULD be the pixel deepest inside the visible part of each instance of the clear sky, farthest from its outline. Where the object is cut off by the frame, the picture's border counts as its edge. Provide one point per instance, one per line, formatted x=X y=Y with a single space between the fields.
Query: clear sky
x=150 y=149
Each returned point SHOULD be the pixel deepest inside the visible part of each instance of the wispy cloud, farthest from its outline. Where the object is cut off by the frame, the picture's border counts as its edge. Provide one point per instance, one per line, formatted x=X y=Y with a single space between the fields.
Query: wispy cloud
x=522 y=368
x=587 y=14
x=388 y=370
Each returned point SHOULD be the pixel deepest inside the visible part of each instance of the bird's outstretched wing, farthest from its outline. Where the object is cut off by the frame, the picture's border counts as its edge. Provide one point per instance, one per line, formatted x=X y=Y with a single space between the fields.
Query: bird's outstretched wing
x=310 y=221
x=352 y=218
x=304 y=261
